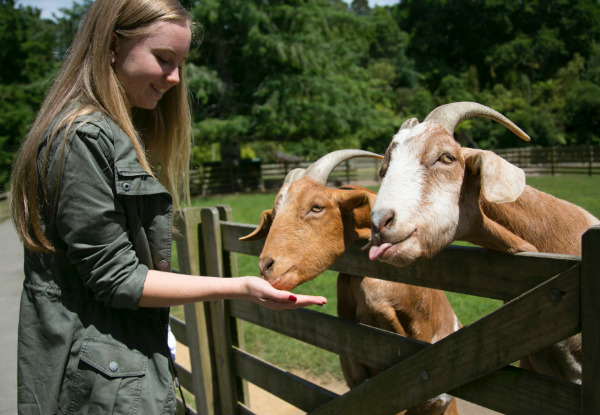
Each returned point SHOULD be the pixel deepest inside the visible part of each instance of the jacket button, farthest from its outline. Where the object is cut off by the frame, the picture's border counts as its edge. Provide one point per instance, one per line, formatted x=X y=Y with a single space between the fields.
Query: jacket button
x=126 y=186
x=113 y=366
x=163 y=265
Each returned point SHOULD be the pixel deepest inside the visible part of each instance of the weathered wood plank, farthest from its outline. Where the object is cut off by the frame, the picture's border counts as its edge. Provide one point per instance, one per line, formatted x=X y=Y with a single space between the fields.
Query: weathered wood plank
x=382 y=349
x=186 y=241
x=514 y=391
x=467 y=270
x=197 y=334
x=244 y=410
x=180 y=409
x=185 y=377
x=524 y=325
x=590 y=310
x=287 y=386
x=179 y=330
x=219 y=315
x=366 y=344
x=230 y=269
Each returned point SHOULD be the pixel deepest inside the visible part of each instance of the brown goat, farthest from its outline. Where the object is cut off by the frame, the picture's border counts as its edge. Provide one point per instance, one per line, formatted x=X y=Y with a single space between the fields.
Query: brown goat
x=308 y=228
x=435 y=192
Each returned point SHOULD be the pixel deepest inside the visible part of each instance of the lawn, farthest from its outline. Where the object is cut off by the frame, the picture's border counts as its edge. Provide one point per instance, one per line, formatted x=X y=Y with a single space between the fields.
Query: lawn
x=299 y=357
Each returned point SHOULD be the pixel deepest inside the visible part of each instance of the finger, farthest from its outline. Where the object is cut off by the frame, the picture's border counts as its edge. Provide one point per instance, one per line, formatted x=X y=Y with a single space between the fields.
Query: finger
x=305 y=300
x=301 y=301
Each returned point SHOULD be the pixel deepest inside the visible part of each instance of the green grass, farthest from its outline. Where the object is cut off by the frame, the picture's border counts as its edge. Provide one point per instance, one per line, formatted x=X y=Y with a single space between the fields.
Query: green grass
x=581 y=190
x=299 y=357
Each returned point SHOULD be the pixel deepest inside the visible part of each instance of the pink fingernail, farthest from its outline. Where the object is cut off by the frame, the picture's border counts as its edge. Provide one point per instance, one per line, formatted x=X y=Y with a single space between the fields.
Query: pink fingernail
x=292 y=298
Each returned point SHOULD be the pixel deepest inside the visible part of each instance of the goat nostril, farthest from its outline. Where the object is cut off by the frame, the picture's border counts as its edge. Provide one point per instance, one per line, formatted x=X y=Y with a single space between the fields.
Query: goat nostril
x=266 y=267
x=387 y=221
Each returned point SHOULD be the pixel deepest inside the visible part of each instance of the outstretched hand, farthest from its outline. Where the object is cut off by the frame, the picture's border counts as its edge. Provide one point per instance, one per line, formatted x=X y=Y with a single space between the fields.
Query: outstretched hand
x=261 y=292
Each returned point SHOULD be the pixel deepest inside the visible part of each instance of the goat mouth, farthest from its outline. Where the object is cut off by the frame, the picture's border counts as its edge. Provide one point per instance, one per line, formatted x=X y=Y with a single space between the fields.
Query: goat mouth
x=378 y=251
x=282 y=281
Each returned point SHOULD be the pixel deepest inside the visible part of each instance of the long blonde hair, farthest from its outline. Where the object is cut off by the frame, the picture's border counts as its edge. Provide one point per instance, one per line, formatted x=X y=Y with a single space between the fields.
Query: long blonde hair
x=87 y=79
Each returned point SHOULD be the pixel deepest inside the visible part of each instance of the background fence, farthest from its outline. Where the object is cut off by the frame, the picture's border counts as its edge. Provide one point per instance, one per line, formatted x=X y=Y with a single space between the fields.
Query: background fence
x=252 y=175
x=547 y=298
x=584 y=159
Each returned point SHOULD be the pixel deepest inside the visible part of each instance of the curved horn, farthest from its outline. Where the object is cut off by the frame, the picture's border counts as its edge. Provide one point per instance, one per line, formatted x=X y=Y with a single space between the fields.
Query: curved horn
x=294 y=175
x=450 y=115
x=321 y=168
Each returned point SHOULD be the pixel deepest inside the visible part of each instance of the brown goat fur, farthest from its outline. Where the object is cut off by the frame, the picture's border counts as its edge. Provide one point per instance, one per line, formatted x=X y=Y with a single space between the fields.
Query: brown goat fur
x=309 y=227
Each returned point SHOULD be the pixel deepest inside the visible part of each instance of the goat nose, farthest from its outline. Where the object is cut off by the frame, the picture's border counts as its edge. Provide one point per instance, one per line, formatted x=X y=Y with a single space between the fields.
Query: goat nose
x=380 y=224
x=265 y=266
x=387 y=220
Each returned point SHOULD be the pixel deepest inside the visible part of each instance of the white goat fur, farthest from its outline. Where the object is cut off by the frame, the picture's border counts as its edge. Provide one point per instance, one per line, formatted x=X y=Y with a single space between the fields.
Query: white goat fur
x=434 y=192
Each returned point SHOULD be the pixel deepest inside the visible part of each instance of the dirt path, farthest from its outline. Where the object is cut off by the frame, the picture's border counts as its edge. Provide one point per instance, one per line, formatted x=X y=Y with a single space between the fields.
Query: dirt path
x=262 y=402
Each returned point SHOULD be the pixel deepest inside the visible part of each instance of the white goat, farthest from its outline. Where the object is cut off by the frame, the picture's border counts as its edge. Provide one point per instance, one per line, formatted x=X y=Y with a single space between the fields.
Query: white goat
x=434 y=192
x=309 y=227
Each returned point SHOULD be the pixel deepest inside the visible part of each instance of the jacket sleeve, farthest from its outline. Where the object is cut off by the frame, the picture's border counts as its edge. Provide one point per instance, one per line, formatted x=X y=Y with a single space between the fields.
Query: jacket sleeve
x=91 y=220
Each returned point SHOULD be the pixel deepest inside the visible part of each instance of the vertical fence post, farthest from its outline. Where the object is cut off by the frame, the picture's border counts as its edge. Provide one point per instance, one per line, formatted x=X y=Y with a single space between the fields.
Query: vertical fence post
x=230 y=269
x=347 y=172
x=590 y=159
x=228 y=390
x=552 y=159
x=197 y=314
x=590 y=310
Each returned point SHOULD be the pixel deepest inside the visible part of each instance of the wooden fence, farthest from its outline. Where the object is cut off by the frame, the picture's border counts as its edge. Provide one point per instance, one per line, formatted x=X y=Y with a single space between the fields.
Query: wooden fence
x=547 y=298
x=252 y=175
x=583 y=159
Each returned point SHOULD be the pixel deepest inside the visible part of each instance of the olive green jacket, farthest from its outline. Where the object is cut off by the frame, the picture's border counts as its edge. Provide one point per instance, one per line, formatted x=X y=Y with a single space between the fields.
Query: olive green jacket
x=84 y=345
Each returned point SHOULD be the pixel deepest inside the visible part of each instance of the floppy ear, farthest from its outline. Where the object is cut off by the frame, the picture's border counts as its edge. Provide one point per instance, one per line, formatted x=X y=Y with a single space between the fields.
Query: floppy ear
x=262 y=230
x=360 y=202
x=500 y=181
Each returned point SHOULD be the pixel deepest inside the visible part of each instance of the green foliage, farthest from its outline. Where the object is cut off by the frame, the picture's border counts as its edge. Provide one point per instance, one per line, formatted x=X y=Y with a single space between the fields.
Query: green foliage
x=25 y=44
x=582 y=113
x=308 y=77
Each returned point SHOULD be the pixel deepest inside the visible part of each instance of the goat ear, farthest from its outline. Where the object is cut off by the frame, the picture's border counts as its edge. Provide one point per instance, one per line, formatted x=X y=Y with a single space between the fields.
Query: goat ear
x=359 y=203
x=501 y=181
x=262 y=230
x=350 y=199
x=410 y=123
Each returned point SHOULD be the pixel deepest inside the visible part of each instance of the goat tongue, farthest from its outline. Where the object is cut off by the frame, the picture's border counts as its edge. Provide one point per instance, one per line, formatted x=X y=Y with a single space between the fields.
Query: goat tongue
x=377 y=251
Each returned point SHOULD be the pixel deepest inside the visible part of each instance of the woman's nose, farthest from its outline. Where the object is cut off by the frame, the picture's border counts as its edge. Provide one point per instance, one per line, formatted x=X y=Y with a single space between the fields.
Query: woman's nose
x=173 y=76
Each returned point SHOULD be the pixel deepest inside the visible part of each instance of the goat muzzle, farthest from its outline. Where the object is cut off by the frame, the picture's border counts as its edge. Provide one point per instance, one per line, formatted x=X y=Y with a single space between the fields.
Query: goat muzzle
x=265 y=267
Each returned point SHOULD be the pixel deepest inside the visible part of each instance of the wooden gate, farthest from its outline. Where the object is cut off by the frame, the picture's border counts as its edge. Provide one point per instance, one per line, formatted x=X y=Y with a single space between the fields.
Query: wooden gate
x=547 y=298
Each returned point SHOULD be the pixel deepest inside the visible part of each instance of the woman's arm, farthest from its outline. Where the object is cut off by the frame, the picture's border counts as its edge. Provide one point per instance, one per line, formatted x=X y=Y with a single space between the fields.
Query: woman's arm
x=165 y=289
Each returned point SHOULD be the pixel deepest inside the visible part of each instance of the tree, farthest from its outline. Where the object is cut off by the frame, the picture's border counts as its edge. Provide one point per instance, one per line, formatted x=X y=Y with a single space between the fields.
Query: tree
x=582 y=113
x=292 y=69
x=27 y=62
x=26 y=44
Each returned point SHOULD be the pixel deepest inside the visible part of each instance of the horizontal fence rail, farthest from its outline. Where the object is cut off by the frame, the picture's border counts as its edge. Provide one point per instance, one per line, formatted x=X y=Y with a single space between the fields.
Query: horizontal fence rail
x=544 y=303
x=252 y=175
x=215 y=178
x=583 y=159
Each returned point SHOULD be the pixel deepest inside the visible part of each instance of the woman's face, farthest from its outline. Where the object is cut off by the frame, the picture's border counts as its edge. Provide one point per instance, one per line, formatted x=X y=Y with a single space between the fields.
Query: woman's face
x=147 y=66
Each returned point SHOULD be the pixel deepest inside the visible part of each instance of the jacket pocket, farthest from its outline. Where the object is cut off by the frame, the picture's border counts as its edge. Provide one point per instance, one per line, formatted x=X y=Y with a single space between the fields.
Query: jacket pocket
x=109 y=378
x=132 y=180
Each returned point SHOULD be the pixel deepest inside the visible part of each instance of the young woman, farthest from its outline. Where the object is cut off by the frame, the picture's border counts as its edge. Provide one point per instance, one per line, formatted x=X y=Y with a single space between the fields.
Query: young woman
x=93 y=190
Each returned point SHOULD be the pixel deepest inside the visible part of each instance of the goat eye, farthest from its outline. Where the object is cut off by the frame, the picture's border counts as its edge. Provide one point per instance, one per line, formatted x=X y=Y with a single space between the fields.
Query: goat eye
x=447 y=158
x=317 y=208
